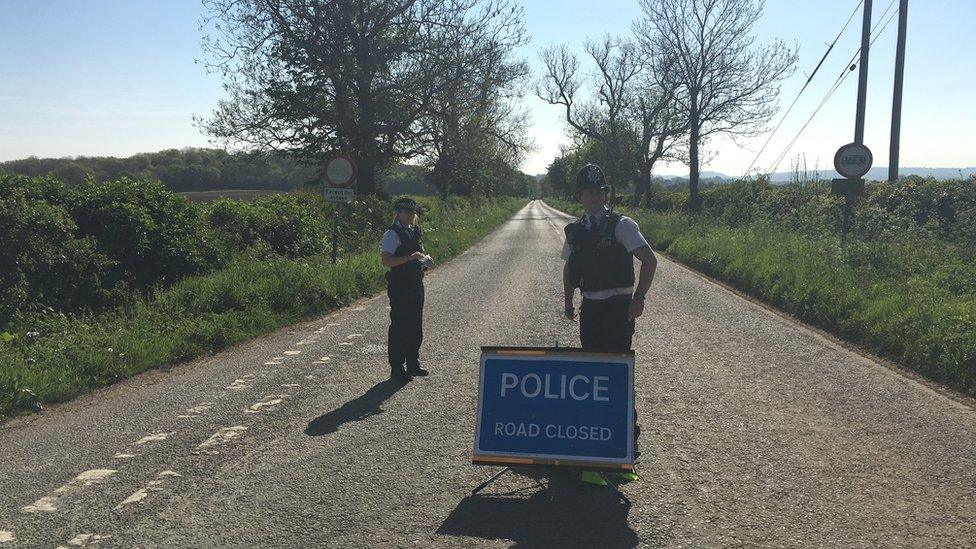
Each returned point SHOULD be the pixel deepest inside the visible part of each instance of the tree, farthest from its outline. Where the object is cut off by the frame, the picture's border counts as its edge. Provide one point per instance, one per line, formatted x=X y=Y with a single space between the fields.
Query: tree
x=312 y=77
x=725 y=83
x=602 y=119
x=475 y=122
x=632 y=121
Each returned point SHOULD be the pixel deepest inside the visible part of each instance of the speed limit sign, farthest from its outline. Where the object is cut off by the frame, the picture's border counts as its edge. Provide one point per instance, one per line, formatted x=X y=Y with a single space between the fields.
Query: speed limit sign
x=340 y=174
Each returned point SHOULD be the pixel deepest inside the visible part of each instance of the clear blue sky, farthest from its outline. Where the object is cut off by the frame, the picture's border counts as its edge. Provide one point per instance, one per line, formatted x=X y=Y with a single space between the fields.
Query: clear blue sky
x=112 y=77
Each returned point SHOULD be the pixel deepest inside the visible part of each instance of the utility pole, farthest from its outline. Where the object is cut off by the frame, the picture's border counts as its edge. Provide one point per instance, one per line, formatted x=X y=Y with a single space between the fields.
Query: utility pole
x=862 y=77
x=896 y=99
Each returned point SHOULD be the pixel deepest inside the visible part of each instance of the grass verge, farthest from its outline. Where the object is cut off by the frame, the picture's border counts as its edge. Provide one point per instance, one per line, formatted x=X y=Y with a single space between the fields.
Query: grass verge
x=65 y=355
x=912 y=300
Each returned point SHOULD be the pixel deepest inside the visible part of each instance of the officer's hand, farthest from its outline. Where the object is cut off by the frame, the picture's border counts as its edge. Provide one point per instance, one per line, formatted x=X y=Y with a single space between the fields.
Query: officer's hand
x=419 y=256
x=636 y=309
x=571 y=313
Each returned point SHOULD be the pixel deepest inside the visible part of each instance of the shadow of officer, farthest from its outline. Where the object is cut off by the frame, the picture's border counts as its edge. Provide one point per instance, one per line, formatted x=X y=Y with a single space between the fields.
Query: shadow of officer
x=402 y=250
x=587 y=516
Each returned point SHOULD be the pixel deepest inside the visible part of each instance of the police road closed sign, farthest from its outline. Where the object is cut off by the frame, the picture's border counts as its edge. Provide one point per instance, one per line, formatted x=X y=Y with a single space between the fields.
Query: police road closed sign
x=539 y=406
x=853 y=160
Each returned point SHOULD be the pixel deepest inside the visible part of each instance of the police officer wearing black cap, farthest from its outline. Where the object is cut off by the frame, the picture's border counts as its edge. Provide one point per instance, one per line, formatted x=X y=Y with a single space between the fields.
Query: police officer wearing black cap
x=402 y=251
x=599 y=252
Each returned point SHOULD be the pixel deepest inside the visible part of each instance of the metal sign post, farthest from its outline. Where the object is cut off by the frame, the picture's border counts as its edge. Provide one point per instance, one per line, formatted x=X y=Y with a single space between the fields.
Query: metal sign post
x=340 y=174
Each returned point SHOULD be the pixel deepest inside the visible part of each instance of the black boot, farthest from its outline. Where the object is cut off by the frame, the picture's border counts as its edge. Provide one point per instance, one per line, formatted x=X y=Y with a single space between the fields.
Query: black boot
x=414 y=369
x=397 y=373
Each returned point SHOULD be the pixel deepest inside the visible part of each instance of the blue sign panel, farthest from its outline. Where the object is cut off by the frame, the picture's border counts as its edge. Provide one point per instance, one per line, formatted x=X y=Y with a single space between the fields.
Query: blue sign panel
x=556 y=405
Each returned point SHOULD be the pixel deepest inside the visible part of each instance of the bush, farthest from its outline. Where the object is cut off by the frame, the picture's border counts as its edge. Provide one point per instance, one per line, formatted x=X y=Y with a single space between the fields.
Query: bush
x=152 y=235
x=42 y=261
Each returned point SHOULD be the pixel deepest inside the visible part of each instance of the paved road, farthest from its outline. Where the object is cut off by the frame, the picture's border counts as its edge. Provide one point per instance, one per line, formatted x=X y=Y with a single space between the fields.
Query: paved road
x=757 y=432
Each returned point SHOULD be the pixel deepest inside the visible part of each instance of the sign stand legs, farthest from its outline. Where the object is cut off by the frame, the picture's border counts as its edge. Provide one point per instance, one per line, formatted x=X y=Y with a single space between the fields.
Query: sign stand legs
x=485 y=484
x=610 y=484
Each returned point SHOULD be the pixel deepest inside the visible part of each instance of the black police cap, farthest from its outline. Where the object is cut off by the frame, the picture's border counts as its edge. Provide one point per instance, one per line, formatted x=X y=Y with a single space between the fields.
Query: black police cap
x=591 y=176
x=407 y=203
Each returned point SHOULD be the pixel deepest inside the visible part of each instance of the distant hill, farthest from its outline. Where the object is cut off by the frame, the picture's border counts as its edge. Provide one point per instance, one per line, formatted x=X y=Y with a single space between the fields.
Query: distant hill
x=879 y=173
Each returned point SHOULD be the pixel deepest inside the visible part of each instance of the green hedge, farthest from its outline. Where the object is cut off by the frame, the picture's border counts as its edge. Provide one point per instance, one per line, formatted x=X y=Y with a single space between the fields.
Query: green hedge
x=58 y=355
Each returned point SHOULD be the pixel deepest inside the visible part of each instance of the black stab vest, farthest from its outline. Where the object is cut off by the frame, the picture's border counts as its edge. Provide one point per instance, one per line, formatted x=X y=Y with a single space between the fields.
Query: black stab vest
x=410 y=242
x=597 y=261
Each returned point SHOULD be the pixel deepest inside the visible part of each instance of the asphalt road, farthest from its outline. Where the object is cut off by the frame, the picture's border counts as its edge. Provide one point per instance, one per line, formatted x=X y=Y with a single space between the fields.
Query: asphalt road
x=757 y=432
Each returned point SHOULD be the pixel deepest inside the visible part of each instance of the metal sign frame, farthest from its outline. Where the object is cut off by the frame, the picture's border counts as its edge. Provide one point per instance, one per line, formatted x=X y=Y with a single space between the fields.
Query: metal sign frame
x=560 y=354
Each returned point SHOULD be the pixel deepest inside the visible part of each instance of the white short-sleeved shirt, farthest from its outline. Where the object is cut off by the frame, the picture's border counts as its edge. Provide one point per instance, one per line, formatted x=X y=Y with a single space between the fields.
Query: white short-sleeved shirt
x=391 y=240
x=627 y=233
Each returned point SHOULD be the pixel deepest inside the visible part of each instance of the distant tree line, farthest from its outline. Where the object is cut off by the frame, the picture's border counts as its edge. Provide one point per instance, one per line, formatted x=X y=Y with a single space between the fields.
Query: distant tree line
x=180 y=170
x=196 y=169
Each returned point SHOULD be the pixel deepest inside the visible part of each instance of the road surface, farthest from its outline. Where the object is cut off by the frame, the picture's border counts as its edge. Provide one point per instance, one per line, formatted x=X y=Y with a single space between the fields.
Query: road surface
x=757 y=432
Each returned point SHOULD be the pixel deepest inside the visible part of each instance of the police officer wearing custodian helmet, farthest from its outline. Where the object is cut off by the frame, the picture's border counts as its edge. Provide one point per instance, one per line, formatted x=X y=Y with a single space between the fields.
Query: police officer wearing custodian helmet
x=599 y=251
x=402 y=250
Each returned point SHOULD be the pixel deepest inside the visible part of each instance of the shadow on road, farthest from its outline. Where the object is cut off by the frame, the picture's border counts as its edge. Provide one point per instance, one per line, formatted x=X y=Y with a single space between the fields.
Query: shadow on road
x=357 y=409
x=574 y=516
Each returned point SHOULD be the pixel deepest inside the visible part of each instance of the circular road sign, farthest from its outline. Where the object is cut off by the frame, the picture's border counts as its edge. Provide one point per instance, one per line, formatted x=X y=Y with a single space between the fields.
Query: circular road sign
x=340 y=171
x=853 y=160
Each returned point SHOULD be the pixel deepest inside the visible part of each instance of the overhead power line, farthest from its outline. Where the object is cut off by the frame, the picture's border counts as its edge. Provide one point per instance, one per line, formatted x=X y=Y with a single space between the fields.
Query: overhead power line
x=805 y=84
x=875 y=33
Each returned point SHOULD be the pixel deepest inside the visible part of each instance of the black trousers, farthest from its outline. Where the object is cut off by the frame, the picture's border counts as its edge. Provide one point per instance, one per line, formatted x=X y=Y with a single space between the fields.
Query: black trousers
x=604 y=328
x=406 y=320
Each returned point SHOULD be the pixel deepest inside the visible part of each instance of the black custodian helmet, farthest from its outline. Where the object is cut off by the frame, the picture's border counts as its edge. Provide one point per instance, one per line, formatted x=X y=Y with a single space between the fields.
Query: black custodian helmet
x=591 y=176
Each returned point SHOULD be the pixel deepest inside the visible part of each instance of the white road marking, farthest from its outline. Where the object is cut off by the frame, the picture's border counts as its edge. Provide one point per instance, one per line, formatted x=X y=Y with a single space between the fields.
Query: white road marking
x=85 y=540
x=224 y=435
x=123 y=456
x=375 y=349
x=154 y=438
x=354 y=336
x=360 y=308
x=269 y=402
x=197 y=410
x=333 y=324
x=344 y=343
x=143 y=493
x=293 y=353
x=6 y=537
x=241 y=383
x=48 y=504
x=272 y=363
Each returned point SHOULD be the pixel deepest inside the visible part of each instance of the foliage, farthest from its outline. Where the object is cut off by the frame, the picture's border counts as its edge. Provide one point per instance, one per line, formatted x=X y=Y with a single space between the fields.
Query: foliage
x=188 y=169
x=50 y=356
